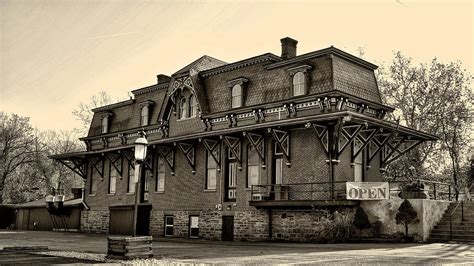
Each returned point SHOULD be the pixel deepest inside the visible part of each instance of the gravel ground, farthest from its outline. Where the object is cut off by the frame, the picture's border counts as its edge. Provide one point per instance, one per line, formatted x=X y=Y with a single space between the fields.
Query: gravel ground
x=102 y=258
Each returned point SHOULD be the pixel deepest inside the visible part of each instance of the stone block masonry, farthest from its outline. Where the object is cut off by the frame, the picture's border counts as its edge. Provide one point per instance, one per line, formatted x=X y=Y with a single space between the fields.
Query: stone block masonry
x=251 y=225
x=95 y=221
x=210 y=225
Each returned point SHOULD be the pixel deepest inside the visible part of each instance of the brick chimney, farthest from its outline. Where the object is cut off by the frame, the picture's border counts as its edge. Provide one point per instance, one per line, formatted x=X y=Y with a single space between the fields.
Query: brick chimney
x=288 y=47
x=162 y=78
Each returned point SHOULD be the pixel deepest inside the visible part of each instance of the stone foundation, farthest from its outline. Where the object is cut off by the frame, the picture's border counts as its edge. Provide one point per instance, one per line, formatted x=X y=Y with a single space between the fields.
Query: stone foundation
x=95 y=221
x=157 y=223
x=210 y=225
x=251 y=225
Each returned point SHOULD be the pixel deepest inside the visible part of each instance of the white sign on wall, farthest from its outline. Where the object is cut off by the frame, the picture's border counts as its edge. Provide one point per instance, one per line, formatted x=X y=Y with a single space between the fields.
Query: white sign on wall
x=367 y=190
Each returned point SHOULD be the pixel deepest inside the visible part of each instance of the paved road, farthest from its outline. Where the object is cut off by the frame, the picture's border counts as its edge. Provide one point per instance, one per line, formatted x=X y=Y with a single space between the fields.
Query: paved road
x=200 y=251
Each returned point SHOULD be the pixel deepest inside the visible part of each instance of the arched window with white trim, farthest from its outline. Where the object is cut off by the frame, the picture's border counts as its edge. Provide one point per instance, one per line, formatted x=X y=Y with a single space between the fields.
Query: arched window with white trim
x=183 y=108
x=144 y=116
x=192 y=106
x=299 y=84
x=236 y=96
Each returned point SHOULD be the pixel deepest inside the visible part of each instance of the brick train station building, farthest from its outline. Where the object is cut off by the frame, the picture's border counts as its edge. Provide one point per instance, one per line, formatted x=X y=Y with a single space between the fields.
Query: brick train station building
x=250 y=150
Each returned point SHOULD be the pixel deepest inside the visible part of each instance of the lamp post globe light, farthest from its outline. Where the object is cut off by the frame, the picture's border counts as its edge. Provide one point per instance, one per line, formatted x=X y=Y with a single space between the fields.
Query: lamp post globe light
x=140 y=154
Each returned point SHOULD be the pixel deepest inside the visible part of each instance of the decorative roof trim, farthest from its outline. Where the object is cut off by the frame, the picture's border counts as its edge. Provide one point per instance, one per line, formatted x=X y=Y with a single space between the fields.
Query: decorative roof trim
x=240 y=64
x=330 y=50
x=239 y=81
x=112 y=106
x=151 y=88
x=146 y=103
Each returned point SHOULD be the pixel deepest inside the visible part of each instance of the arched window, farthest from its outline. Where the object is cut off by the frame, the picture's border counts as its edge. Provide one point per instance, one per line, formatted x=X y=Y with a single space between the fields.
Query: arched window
x=192 y=106
x=144 y=116
x=105 y=124
x=236 y=96
x=183 y=108
x=298 y=84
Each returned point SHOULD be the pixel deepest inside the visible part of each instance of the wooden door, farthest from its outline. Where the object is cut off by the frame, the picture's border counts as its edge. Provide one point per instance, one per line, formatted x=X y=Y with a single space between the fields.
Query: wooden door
x=143 y=220
x=227 y=228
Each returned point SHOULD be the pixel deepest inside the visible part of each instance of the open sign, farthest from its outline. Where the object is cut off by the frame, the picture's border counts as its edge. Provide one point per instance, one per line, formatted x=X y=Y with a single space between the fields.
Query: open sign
x=367 y=190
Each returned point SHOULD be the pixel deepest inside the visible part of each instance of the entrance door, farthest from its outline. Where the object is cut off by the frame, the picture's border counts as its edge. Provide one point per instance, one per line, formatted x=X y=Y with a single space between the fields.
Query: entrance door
x=143 y=220
x=227 y=228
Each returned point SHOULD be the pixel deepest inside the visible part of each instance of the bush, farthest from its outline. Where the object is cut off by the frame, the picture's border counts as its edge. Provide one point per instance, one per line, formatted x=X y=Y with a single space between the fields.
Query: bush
x=377 y=229
x=338 y=228
x=361 y=220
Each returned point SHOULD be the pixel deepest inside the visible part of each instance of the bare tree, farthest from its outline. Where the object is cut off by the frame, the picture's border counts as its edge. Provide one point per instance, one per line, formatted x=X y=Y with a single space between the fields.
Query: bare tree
x=16 y=146
x=435 y=98
x=83 y=112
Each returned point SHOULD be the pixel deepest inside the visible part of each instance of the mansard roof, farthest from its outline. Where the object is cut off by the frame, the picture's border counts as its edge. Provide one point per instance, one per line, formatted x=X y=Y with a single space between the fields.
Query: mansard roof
x=202 y=63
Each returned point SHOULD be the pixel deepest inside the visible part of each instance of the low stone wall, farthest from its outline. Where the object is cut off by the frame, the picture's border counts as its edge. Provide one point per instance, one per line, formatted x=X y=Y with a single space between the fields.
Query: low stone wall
x=303 y=226
x=95 y=221
x=429 y=213
x=251 y=225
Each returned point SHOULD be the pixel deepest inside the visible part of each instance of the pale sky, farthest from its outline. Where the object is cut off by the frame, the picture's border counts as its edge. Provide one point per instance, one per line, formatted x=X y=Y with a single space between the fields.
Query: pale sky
x=56 y=53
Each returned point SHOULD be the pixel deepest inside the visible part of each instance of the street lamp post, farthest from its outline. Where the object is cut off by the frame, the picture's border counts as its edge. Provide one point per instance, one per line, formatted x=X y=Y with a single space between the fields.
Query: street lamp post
x=140 y=154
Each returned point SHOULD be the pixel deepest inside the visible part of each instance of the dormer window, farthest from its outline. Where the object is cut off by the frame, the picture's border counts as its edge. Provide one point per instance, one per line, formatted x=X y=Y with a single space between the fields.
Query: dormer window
x=145 y=108
x=105 y=123
x=236 y=96
x=183 y=108
x=192 y=106
x=144 y=116
x=299 y=79
x=298 y=84
x=237 y=91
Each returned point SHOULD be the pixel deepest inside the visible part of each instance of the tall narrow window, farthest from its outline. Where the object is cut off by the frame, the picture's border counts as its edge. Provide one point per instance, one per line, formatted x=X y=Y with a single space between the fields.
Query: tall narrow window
x=192 y=106
x=278 y=165
x=298 y=84
x=113 y=174
x=358 y=163
x=211 y=172
x=183 y=108
x=231 y=187
x=105 y=124
x=253 y=167
x=160 y=176
x=94 y=180
x=236 y=96
x=144 y=116
x=131 y=177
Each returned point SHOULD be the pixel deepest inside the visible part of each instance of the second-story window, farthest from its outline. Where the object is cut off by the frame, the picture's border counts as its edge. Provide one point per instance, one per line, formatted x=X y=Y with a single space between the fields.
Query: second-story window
x=192 y=106
x=105 y=124
x=160 y=176
x=144 y=115
x=299 y=84
x=236 y=96
x=211 y=177
x=253 y=167
x=183 y=108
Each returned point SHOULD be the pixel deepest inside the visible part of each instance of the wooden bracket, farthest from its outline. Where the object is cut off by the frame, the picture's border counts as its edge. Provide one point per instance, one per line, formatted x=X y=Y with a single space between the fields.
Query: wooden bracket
x=258 y=142
x=282 y=139
x=235 y=147
x=77 y=165
x=97 y=163
x=167 y=153
x=115 y=161
x=214 y=148
x=189 y=152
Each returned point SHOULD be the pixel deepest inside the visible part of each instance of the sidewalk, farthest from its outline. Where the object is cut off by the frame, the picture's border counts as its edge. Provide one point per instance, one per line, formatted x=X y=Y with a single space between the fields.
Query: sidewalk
x=204 y=251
